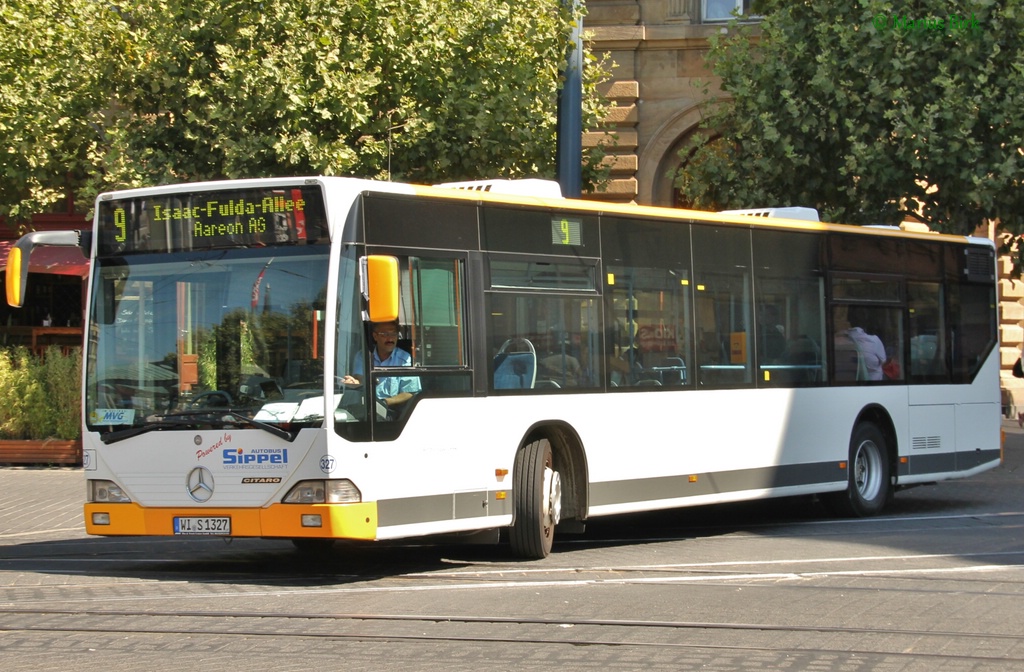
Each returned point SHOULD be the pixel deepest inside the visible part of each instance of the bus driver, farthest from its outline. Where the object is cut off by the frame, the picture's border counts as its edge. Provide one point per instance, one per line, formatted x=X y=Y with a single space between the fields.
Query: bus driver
x=391 y=391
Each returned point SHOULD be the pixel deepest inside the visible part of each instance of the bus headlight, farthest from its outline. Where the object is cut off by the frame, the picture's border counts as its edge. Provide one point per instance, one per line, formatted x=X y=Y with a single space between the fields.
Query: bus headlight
x=341 y=491
x=105 y=491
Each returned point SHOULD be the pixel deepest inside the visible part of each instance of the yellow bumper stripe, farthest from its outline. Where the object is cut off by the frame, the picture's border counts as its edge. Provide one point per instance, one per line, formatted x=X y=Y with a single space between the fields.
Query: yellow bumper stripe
x=339 y=521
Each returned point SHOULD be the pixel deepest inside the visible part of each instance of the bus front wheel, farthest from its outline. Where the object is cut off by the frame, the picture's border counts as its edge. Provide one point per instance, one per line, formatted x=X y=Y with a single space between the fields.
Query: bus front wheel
x=868 y=479
x=537 y=498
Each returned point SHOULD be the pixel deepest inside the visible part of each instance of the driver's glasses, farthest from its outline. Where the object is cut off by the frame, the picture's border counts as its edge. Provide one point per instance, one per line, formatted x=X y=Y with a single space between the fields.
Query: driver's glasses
x=388 y=334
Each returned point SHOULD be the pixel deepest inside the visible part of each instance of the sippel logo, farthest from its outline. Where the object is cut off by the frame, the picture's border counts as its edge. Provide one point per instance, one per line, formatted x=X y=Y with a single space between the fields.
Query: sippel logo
x=255 y=458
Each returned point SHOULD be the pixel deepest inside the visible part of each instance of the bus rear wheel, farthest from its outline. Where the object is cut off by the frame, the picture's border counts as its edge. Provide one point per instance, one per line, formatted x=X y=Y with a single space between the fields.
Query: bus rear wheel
x=537 y=498
x=869 y=484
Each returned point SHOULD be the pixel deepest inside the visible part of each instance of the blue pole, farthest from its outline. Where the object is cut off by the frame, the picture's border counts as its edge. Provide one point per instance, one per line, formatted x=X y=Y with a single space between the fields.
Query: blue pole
x=569 y=153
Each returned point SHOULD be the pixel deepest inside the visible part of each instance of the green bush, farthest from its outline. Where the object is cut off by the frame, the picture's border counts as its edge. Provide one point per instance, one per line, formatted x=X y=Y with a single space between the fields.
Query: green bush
x=40 y=397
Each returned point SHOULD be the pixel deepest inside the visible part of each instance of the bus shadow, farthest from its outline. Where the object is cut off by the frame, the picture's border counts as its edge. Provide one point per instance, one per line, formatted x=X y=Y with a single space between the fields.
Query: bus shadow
x=257 y=562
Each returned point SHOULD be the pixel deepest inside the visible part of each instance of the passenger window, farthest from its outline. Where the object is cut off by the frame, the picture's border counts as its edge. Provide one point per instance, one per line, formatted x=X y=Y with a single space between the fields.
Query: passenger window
x=649 y=333
x=543 y=343
x=972 y=311
x=725 y=336
x=927 y=324
x=790 y=300
x=648 y=304
x=543 y=323
x=868 y=342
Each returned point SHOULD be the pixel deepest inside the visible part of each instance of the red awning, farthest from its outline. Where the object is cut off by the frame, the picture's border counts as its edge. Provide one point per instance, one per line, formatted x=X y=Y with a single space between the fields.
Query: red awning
x=49 y=259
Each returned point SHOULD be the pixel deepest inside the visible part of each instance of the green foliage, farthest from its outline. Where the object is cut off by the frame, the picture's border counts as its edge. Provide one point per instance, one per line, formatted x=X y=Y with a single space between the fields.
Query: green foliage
x=40 y=397
x=60 y=376
x=172 y=90
x=842 y=107
x=55 y=62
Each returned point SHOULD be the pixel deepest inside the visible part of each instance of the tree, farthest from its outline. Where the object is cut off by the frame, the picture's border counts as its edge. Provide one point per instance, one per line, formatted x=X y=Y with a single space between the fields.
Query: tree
x=870 y=112
x=56 y=57
x=178 y=90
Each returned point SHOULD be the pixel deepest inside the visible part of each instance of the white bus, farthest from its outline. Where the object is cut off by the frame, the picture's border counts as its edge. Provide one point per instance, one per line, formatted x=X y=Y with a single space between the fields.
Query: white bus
x=569 y=359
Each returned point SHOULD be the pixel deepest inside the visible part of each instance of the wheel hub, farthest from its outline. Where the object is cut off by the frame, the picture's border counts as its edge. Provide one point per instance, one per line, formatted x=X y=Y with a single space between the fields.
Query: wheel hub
x=552 y=497
x=866 y=470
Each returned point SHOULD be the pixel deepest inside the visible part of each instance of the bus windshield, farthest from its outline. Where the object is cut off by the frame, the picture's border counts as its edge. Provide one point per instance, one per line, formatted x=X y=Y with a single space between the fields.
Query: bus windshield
x=207 y=338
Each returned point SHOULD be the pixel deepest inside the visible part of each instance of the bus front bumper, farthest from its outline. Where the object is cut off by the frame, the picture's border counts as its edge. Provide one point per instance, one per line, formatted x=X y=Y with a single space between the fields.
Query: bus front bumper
x=290 y=521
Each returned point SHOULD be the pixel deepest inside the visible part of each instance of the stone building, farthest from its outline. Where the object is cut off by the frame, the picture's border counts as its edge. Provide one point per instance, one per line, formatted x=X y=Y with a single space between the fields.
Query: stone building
x=1011 y=335
x=658 y=48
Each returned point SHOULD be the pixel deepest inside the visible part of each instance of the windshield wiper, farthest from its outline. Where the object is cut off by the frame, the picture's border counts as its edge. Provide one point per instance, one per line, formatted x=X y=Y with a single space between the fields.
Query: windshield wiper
x=122 y=434
x=187 y=418
x=216 y=415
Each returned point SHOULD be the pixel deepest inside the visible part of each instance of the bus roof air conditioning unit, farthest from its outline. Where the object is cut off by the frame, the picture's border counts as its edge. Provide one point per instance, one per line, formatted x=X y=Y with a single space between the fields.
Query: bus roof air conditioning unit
x=808 y=214
x=525 y=187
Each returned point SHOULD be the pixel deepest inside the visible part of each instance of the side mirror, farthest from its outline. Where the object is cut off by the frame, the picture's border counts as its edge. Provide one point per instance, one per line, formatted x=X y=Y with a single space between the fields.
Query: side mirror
x=380 y=287
x=17 y=275
x=17 y=258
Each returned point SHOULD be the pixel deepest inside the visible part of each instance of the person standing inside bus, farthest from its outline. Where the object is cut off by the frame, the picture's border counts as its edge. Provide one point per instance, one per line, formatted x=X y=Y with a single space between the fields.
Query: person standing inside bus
x=391 y=391
x=869 y=346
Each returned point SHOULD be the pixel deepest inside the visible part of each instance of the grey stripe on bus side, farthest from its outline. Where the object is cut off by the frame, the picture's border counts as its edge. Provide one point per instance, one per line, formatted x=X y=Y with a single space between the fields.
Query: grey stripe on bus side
x=944 y=463
x=461 y=505
x=695 y=485
x=430 y=508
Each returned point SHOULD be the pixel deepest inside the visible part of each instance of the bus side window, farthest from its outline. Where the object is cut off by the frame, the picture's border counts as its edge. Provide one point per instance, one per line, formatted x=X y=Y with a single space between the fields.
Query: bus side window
x=927 y=325
x=543 y=343
x=972 y=327
x=790 y=295
x=722 y=275
x=648 y=304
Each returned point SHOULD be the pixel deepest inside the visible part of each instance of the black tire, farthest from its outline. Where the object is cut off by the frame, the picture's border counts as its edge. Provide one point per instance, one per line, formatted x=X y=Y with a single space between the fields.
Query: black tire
x=537 y=498
x=869 y=481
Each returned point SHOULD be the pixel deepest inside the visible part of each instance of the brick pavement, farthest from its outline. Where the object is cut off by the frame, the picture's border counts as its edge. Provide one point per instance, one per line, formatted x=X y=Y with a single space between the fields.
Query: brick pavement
x=41 y=504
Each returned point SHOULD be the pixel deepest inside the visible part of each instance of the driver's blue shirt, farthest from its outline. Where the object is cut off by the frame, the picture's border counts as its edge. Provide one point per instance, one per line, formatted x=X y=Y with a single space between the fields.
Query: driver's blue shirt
x=389 y=386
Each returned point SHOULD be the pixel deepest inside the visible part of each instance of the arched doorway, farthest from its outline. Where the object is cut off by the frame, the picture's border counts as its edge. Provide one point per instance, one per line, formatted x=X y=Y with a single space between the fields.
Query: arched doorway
x=660 y=160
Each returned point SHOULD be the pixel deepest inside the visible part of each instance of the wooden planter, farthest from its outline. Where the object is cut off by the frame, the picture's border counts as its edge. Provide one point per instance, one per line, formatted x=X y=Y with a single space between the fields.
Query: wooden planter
x=45 y=452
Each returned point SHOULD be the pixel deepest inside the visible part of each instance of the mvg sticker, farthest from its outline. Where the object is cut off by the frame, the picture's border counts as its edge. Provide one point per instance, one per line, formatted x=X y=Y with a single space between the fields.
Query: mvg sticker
x=112 y=416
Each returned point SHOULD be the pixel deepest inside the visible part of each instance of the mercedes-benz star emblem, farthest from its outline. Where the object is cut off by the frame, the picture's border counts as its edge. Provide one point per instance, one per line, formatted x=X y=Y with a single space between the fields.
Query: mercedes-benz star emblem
x=199 y=484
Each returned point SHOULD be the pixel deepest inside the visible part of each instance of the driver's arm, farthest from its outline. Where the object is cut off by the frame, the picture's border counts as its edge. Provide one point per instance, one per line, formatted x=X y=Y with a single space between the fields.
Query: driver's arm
x=399 y=398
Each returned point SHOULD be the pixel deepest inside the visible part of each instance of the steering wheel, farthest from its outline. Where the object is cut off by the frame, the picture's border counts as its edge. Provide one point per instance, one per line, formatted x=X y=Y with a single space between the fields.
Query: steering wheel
x=211 y=399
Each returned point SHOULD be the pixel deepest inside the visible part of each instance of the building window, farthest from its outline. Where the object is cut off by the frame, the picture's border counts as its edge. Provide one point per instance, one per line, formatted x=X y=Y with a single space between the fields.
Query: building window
x=721 y=10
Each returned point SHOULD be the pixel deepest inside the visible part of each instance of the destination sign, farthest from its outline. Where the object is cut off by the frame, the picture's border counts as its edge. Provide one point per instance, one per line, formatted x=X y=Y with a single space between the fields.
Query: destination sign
x=182 y=221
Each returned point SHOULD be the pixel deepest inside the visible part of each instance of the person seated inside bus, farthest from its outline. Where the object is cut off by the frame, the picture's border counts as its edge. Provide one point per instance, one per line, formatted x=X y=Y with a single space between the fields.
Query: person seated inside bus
x=557 y=367
x=391 y=391
x=627 y=367
x=868 y=347
x=712 y=348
